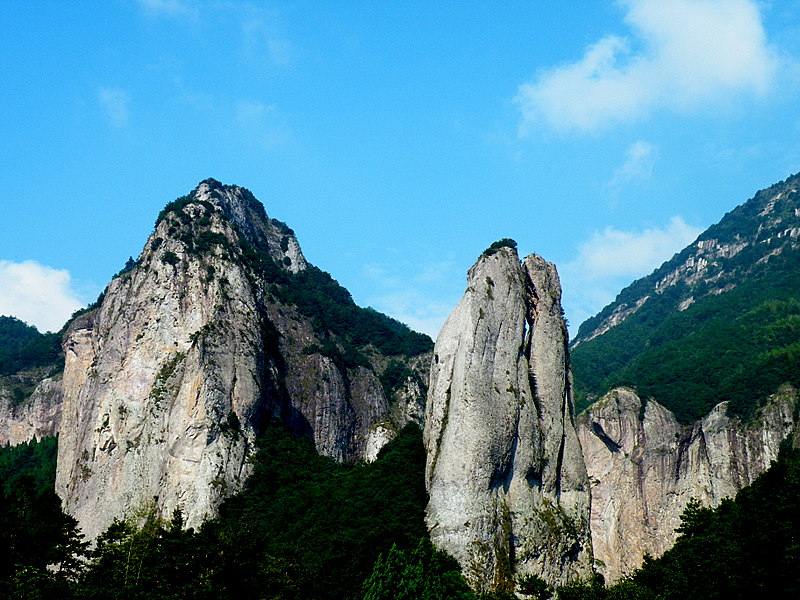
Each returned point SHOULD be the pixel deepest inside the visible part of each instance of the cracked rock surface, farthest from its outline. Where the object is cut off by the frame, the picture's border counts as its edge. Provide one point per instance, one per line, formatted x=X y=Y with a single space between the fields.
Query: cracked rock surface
x=509 y=494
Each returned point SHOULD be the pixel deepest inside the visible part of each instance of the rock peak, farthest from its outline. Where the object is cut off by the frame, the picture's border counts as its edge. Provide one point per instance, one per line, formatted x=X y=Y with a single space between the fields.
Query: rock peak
x=209 y=335
x=509 y=494
x=191 y=216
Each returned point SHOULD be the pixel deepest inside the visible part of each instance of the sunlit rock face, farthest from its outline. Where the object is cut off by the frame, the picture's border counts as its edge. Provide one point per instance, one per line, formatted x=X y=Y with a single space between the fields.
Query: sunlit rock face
x=168 y=382
x=644 y=468
x=509 y=494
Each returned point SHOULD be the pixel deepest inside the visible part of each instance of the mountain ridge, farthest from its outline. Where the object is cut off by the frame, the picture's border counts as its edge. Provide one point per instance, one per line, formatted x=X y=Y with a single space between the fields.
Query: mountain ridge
x=631 y=297
x=727 y=303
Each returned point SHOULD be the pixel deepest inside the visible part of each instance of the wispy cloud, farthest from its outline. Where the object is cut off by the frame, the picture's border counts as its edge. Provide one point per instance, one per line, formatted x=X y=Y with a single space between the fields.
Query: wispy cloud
x=170 y=8
x=639 y=161
x=261 y=35
x=261 y=123
x=116 y=105
x=680 y=55
x=417 y=301
x=613 y=258
x=37 y=294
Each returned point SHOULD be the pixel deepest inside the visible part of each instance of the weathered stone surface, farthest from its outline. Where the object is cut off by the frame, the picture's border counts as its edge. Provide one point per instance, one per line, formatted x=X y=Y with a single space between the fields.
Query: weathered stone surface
x=168 y=382
x=508 y=490
x=150 y=380
x=37 y=416
x=644 y=467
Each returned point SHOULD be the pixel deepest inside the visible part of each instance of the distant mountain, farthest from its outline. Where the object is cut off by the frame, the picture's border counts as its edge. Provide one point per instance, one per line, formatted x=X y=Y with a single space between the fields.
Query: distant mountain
x=719 y=321
x=23 y=347
x=30 y=392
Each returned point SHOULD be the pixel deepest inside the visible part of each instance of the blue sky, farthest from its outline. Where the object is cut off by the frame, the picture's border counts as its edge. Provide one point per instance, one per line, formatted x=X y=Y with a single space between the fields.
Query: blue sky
x=398 y=139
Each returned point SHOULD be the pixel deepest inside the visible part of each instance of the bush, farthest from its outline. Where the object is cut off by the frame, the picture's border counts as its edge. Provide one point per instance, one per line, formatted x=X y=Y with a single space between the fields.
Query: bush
x=496 y=246
x=170 y=258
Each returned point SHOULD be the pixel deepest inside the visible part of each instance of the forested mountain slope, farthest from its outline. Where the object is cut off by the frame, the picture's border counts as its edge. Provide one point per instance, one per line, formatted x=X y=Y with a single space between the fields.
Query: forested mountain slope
x=719 y=321
x=30 y=382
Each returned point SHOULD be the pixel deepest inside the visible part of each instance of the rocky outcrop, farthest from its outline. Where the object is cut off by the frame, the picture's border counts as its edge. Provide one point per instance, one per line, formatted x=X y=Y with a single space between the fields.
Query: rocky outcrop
x=644 y=468
x=168 y=382
x=509 y=493
x=35 y=417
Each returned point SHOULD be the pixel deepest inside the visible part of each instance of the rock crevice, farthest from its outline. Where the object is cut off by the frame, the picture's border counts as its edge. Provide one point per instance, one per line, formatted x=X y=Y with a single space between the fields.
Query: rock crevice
x=509 y=495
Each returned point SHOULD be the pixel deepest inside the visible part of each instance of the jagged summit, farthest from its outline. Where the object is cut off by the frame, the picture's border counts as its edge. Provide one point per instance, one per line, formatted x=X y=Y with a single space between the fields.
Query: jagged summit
x=189 y=218
x=219 y=326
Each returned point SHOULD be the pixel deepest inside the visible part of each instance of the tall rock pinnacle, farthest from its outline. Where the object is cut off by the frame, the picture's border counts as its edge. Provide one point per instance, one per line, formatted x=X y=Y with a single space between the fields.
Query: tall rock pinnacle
x=509 y=494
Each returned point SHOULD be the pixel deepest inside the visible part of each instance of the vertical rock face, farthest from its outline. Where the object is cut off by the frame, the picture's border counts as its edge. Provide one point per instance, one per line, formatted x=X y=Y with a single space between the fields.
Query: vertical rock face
x=157 y=378
x=644 y=467
x=167 y=383
x=509 y=493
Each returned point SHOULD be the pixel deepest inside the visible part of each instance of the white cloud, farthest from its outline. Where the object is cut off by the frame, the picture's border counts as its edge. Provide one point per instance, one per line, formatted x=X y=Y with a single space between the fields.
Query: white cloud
x=115 y=103
x=682 y=55
x=612 y=258
x=613 y=252
x=639 y=161
x=37 y=294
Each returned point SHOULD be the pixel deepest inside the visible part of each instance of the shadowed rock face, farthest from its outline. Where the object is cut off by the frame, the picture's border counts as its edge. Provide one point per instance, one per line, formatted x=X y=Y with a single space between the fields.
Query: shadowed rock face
x=509 y=493
x=37 y=416
x=645 y=467
x=168 y=382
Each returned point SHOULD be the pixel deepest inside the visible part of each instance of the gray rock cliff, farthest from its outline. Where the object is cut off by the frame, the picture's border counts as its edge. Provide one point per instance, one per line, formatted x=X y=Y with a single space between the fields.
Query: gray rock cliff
x=35 y=417
x=167 y=383
x=509 y=494
x=644 y=468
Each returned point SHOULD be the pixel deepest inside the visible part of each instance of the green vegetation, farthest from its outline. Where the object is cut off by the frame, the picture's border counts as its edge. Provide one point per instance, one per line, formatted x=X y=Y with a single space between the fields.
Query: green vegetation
x=130 y=264
x=23 y=347
x=35 y=460
x=739 y=344
x=326 y=522
x=170 y=258
x=308 y=527
x=176 y=207
x=34 y=532
x=418 y=574
x=304 y=527
x=504 y=243
x=330 y=306
x=331 y=309
x=745 y=548
x=394 y=376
